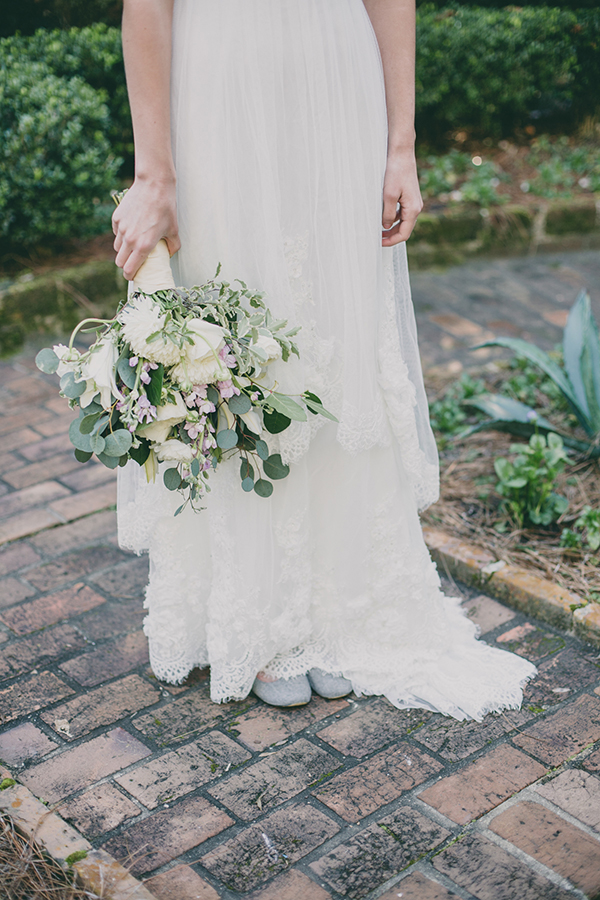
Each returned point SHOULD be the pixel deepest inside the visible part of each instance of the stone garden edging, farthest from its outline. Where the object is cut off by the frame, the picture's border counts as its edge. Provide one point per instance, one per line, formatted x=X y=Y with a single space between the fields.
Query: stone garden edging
x=517 y=587
x=97 y=871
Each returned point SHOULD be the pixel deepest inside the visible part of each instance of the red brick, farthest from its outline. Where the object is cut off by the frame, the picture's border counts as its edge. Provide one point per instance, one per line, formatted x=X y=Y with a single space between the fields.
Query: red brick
x=578 y=793
x=487 y=613
x=77 y=534
x=456 y=740
x=52 y=575
x=186 y=717
x=374 y=855
x=592 y=762
x=16 y=440
x=266 y=725
x=363 y=789
x=112 y=620
x=80 y=767
x=274 y=779
x=564 y=733
x=103 y=706
x=30 y=694
x=55 y=424
x=417 y=887
x=554 y=842
x=46 y=447
x=182 y=883
x=24 y=743
x=17 y=421
x=558 y=677
x=158 y=839
x=27 y=523
x=17 y=556
x=47 y=610
x=98 y=810
x=293 y=885
x=490 y=873
x=175 y=774
x=78 y=505
x=88 y=476
x=40 y=649
x=37 y=495
x=126 y=580
x=13 y=590
x=530 y=641
x=9 y=461
x=110 y=659
x=58 y=405
x=370 y=727
x=482 y=784
x=36 y=472
x=269 y=847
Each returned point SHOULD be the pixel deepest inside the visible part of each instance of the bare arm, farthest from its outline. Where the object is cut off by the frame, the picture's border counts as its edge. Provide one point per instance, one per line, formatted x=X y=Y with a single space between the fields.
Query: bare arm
x=394 y=25
x=148 y=211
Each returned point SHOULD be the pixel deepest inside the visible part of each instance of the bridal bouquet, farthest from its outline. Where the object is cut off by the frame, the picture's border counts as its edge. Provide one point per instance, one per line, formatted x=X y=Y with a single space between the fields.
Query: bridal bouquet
x=181 y=376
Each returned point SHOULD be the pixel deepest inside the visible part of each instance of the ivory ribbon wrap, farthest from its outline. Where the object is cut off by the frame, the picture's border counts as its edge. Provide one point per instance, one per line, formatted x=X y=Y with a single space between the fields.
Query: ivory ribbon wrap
x=155 y=273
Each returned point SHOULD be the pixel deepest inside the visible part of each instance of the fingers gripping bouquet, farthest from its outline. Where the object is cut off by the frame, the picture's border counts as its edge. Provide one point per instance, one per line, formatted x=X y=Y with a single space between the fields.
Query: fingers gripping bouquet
x=181 y=376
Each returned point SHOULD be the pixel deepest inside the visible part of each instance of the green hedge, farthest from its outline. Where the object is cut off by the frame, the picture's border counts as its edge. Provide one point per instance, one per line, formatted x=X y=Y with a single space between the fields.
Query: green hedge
x=492 y=71
x=26 y=16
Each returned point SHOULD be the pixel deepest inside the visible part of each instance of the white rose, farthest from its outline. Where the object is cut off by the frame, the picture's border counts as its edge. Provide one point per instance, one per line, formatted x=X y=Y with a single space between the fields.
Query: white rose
x=98 y=372
x=200 y=371
x=167 y=415
x=68 y=359
x=140 y=318
x=201 y=363
x=174 y=451
x=269 y=346
x=208 y=339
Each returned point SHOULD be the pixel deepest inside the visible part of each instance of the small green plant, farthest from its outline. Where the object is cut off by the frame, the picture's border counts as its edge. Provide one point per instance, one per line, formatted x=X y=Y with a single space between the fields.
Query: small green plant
x=75 y=857
x=559 y=166
x=526 y=483
x=447 y=415
x=7 y=783
x=578 y=380
x=456 y=178
x=586 y=530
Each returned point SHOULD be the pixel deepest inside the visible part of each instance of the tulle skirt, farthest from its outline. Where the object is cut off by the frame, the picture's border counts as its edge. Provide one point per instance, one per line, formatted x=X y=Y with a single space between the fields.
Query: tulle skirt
x=279 y=135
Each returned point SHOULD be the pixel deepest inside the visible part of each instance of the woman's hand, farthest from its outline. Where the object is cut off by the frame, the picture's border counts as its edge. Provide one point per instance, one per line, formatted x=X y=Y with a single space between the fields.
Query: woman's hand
x=147 y=213
x=402 y=201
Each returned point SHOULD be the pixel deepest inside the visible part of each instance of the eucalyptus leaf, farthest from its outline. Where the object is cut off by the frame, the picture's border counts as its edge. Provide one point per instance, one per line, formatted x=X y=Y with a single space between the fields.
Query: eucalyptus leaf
x=126 y=372
x=71 y=388
x=263 y=488
x=213 y=395
x=86 y=425
x=80 y=441
x=172 y=479
x=227 y=439
x=275 y=422
x=262 y=449
x=195 y=467
x=239 y=404
x=275 y=468
x=97 y=443
x=47 y=361
x=246 y=470
x=286 y=406
x=81 y=456
x=154 y=389
x=248 y=484
x=318 y=409
x=118 y=442
x=100 y=424
x=140 y=454
x=111 y=462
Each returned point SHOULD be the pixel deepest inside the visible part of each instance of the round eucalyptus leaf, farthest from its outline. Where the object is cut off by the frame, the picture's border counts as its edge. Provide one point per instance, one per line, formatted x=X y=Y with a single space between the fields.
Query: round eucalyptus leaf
x=263 y=488
x=262 y=449
x=275 y=468
x=172 y=479
x=239 y=404
x=248 y=484
x=47 y=361
x=195 y=467
x=71 y=388
x=80 y=441
x=118 y=442
x=97 y=443
x=86 y=425
x=275 y=422
x=81 y=456
x=246 y=470
x=111 y=462
x=227 y=439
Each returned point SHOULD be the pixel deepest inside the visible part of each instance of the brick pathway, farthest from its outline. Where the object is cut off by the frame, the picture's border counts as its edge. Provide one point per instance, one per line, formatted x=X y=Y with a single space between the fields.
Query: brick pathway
x=345 y=799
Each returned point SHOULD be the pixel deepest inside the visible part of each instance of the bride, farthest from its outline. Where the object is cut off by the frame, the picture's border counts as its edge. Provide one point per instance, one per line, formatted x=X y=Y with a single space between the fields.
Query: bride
x=276 y=137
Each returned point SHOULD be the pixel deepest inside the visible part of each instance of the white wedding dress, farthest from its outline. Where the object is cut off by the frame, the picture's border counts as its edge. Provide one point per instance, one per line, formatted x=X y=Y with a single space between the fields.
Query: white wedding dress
x=279 y=134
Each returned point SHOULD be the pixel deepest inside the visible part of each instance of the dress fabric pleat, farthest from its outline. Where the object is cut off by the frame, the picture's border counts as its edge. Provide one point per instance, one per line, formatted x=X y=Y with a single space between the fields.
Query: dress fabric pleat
x=279 y=135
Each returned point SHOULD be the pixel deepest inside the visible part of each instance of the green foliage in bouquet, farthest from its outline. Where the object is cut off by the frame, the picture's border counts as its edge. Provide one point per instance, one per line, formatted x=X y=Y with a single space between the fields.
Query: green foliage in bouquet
x=183 y=376
x=526 y=483
x=578 y=381
x=55 y=157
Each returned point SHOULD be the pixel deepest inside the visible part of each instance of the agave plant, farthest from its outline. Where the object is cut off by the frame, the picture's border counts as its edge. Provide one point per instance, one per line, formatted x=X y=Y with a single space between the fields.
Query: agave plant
x=578 y=381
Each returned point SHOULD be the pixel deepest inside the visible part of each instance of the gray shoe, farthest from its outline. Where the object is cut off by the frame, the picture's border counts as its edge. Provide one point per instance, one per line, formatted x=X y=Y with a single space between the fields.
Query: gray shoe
x=284 y=692
x=332 y=687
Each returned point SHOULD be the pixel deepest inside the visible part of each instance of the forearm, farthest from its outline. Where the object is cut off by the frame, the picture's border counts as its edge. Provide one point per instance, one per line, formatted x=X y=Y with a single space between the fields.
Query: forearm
x=394 y=25
x=147 y=27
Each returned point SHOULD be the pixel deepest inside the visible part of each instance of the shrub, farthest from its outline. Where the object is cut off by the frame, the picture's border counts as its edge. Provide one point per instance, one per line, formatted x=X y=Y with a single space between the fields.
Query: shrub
x=56 y=160
x=27 y=15
x=494 y=70
x=527 y=481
